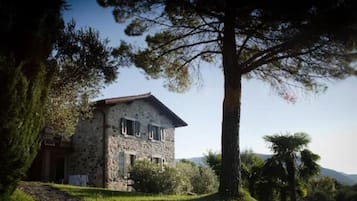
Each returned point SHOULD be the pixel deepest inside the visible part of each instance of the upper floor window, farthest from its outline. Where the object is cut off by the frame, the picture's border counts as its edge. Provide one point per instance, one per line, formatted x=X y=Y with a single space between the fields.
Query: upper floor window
x=130 y=127
x=156 y=133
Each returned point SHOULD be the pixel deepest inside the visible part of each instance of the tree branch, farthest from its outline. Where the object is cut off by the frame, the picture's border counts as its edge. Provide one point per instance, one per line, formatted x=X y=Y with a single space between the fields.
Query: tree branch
x=192 y=33
x=263 y=54
x=271 y=58
x=200 y=54
x=186 y=46
x=243 y=45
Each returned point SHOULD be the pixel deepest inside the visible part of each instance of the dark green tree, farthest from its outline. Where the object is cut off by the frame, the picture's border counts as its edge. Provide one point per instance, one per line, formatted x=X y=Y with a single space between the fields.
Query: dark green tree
x=28 y=32
x=292 y=161
x=322 y=189
x=285 y=43
x=346 y=193
x=83 y=64
x=252 y=168
x=214 y=160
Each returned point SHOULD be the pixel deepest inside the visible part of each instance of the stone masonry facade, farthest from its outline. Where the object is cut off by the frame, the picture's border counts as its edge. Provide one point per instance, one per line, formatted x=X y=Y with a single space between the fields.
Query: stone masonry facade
x=106 y=146
x=87 y=156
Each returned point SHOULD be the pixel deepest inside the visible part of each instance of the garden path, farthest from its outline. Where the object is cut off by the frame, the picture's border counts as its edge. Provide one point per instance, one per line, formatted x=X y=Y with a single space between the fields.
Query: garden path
x=43 y=192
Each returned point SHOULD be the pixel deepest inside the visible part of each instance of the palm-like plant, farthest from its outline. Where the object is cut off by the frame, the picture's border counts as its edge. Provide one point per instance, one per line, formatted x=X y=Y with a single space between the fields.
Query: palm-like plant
x=294 y=160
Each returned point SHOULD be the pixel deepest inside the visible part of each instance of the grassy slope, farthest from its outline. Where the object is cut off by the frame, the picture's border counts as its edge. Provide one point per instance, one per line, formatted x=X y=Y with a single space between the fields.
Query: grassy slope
x=21 y=196
x=99 y=194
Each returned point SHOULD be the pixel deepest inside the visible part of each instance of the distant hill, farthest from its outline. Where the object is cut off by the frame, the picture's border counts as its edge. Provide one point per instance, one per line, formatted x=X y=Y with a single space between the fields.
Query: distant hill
x=354 y=177
x=339 y=176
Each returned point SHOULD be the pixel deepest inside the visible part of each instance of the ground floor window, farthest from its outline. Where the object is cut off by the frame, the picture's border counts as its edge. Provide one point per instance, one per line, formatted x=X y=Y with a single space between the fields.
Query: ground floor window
x=132 y=159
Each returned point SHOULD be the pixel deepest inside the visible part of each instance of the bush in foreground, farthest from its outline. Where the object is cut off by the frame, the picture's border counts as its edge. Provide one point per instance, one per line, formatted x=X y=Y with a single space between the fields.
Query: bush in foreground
x=185 y=178
x=152 y=178
x=201 y=180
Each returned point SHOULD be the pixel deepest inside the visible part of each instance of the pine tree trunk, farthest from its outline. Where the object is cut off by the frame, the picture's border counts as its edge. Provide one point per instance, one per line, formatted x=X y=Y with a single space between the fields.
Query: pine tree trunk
x=230 y=175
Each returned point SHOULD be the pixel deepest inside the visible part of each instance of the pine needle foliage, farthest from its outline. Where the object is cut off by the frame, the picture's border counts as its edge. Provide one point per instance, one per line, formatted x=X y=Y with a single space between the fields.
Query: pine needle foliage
x=287 y=44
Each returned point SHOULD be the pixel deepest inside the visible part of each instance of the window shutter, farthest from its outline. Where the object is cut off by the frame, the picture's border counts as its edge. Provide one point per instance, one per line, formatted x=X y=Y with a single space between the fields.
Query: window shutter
x=123 y=126
x=150 y=132
x=137 y=128
x=121 y=164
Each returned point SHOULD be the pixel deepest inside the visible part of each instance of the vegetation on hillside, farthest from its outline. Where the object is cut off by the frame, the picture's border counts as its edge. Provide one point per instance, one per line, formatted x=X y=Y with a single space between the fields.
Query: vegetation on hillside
x=287 y=173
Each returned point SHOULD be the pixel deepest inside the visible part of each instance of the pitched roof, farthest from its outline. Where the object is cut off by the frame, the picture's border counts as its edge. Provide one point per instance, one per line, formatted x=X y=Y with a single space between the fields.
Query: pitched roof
x=176 y=120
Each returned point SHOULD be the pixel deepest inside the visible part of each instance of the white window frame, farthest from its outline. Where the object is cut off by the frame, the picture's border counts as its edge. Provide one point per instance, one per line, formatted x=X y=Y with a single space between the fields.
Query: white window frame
x=161 y=132
x=161 y=161
x=135 y=126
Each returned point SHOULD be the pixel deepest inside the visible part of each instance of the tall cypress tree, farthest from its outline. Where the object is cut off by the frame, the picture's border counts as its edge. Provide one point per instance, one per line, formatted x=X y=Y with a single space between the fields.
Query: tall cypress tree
x=28 y=31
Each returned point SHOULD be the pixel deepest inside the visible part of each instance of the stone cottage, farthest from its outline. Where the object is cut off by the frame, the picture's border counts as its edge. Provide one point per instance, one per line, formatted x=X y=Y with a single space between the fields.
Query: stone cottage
x=122 y=131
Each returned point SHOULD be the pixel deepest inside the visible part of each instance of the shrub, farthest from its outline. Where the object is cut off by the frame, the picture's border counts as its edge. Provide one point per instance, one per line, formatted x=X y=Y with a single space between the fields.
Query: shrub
x=171 y=182
x=205 y=182
x=152 y=178
x=186 y=171
x=183 y=179
x=199 y=180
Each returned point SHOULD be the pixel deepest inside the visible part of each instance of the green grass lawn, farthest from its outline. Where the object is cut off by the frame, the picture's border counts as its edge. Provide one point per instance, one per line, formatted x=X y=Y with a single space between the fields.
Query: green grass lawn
x=99 y=194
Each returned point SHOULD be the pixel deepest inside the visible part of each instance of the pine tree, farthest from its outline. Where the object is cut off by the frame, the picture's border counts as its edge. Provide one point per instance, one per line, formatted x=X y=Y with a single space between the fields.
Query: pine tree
x=283 y=43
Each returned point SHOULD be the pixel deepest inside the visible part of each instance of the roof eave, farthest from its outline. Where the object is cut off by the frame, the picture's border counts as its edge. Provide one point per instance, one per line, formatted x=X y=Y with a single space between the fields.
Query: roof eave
x=176 y=120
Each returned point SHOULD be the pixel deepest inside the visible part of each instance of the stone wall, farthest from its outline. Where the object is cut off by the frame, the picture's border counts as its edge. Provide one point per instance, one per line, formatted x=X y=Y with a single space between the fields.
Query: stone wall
x=122 y=146
x=87 y=157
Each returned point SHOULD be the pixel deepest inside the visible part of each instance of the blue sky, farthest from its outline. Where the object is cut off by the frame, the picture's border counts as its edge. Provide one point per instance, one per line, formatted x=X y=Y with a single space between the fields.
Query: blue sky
x=329 y=118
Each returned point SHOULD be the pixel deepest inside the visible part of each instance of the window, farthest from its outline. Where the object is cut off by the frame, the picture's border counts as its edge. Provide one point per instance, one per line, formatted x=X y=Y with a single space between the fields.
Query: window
x=156 y=160
x=156 y=133
x=132 y=159
x=130 y=127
